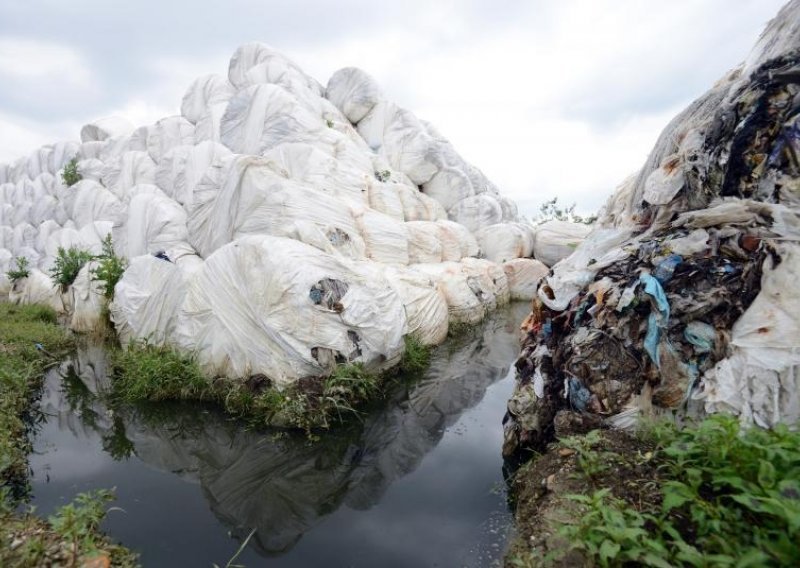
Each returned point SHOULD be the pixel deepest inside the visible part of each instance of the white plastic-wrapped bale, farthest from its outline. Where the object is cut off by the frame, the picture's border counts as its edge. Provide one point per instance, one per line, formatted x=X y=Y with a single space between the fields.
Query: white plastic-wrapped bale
x=91 y=169
x=263 y=116
x=274 y=306
x=400 y=136
x=449 y=186
x=281 y=67
x=46 y=229
x=555 y=240
x=505 y=241
x=424 y=244
x=168 y=133
x=386 y=239
x=146 y=301
x=242 y=195
x=493 y=282
x=477 y=211
x=523 y=275
x=6 y=264
x=354 y=92
x=154 y=223
x=93 y=234
x=36 y=288
x=87 y=301
x=93 y=202
x=308 y=165
x=417 y=206
x=385 y=199
x=424 y=303
x=191 y=169
x=203 y=92
x=459 y=289
x=128 y=170
x=457 y=241
x=62 y=153
x=207 y=127
x=105 y=128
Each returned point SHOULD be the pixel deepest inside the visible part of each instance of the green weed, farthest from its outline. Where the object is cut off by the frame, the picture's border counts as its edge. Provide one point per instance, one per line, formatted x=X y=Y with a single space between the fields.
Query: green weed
x=22 y=270
x=416 y=356
x=70 y=174
x=110 y=268
x=68 y=264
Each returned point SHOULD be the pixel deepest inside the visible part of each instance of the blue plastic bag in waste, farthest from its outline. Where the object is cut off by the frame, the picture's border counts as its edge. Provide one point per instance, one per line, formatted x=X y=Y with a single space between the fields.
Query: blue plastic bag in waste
x=666 y=268
x=657 y=320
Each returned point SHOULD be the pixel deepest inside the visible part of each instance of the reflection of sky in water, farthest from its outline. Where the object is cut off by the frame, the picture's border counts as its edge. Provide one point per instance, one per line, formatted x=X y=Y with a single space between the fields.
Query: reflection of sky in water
x=416 y=485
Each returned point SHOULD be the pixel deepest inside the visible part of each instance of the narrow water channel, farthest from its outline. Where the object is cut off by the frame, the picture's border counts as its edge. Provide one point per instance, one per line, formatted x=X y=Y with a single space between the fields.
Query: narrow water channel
x=417 y=482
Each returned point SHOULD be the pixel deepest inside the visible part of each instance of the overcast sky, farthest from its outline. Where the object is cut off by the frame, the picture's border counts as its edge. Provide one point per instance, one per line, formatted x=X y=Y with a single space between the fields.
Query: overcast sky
x=548 y=98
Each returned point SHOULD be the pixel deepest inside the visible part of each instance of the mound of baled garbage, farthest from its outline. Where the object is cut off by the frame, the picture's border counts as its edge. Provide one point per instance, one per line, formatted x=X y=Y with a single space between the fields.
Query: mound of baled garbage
x=685 y=296
x=276 y=227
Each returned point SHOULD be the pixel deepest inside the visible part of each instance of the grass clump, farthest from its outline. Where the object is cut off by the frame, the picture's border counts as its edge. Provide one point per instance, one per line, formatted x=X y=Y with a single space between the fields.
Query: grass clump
x=21 y=367
x=70 y=537
x=22 y=270
x=416 y=356
x=715 y=496
x=70 y=175
x=68 y=264
x=146 y=372
x=150 y=372
x=110 y=268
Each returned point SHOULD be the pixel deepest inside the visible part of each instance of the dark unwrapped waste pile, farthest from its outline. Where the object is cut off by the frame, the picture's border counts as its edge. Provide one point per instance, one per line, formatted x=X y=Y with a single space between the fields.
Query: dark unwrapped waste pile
x=686 y=293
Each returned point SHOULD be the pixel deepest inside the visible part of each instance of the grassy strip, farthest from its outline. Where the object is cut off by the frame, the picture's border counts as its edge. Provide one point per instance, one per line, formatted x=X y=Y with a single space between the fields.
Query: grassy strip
x=21 y=368
x=701 y=496
x=146 y=372
x=70 y=537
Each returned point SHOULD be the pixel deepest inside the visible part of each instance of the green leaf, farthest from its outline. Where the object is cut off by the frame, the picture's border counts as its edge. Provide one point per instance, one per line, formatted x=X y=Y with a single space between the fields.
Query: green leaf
x=609 y=550
x=766 y=474
x=672 y=500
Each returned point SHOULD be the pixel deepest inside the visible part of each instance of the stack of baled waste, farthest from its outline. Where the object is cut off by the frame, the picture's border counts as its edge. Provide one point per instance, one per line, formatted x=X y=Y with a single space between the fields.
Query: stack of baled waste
x=276 y=227
x=685 y=297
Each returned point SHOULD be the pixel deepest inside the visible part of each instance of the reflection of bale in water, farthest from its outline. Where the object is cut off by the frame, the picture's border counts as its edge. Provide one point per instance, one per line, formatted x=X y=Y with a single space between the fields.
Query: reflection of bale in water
x=283 y=486
x=69 y=393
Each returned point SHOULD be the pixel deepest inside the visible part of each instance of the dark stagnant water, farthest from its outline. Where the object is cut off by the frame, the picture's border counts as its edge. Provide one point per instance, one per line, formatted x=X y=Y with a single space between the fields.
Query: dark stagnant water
x=418 y=482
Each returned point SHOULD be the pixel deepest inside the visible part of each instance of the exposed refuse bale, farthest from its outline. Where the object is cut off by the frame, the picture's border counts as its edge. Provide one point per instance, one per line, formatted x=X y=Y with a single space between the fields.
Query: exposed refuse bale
x=684 y=296
x=339 y=177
